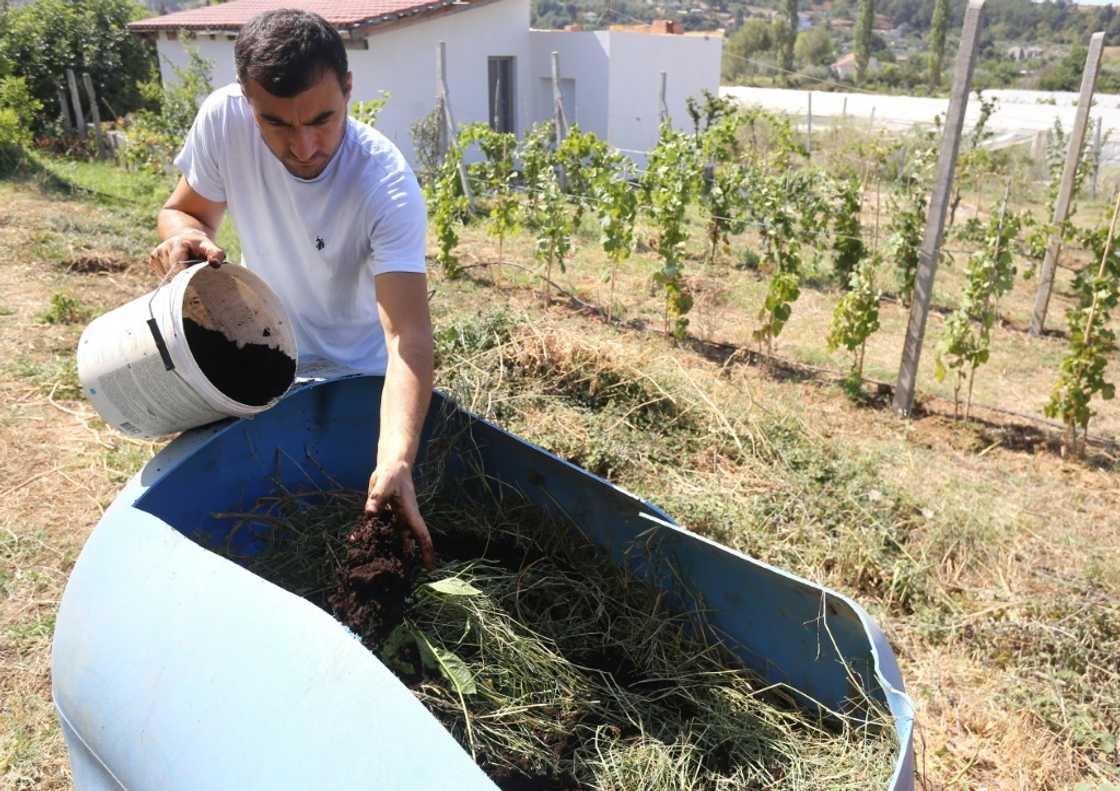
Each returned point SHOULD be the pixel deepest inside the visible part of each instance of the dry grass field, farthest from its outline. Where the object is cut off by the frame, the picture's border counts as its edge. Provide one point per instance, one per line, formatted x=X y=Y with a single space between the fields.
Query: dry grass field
x=990 y=560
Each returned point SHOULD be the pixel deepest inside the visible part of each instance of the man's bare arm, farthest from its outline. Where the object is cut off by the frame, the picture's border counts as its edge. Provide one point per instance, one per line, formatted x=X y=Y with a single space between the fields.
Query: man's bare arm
x=188 y=224
x=402 y=303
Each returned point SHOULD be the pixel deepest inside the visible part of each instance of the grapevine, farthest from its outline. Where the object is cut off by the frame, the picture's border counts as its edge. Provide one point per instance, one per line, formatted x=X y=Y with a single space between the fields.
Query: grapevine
x=580 y=157
x=367 y=112
x=617 y=206
x=723 y=196
x=966 y=341
x=553 y=227
x=668 y=185
x=447 y=206
x=496 y=172
x=847 y=245
x=856 y=316
x=1091 y=339
x=908 y=217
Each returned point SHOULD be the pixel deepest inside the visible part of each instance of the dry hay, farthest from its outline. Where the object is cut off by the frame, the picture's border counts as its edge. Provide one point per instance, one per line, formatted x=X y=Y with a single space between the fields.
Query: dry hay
x=548 y=662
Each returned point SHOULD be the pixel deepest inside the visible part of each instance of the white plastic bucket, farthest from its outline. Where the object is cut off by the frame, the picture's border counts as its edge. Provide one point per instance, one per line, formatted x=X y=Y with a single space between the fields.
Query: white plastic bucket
x=137 y=367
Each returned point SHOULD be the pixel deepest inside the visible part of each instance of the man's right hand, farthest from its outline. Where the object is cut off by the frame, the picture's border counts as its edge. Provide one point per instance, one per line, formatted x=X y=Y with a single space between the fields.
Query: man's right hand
x=173 y=253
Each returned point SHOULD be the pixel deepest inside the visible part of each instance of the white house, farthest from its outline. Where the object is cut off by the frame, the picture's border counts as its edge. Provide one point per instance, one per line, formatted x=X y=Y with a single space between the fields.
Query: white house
x=609 y=80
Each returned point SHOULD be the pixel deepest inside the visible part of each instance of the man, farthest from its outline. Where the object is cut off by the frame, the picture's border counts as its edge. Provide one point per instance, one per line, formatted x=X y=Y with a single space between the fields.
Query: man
x=331 y=216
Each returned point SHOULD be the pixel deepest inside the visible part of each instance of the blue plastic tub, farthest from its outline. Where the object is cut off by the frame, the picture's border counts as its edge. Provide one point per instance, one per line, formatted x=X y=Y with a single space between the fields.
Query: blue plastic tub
x=176 y=669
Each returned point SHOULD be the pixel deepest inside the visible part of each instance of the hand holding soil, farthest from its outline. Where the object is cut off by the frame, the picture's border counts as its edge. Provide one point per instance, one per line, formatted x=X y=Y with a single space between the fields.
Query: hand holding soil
x=391 y=487
x=179 y=251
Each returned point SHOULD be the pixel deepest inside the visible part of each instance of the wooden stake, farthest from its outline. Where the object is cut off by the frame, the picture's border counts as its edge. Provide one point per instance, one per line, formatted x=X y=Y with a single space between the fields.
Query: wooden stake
x=94 y=111
x=1065 y=189
x=79 y=117
x=939 y=204
x=443 y=96
x=67 y=121
x=1100 y=270
x=557 y=100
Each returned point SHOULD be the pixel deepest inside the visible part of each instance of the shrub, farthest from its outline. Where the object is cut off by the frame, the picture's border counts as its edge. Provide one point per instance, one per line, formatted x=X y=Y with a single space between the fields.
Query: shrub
x=42 y=39
x=156 y=136
x=17 y=109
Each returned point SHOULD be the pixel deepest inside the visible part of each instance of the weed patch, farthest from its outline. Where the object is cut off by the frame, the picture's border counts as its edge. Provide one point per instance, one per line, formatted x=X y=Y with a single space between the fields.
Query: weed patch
x=66 y=310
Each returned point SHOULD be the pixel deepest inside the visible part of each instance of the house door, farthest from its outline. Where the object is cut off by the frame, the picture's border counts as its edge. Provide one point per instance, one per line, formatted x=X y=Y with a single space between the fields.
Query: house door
x=501 y=94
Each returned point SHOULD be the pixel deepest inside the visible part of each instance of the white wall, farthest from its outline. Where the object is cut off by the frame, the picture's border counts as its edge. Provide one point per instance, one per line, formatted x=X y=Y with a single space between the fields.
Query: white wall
x=402 y=60
x=217 y=50
x=584 y=68
x=636 y=63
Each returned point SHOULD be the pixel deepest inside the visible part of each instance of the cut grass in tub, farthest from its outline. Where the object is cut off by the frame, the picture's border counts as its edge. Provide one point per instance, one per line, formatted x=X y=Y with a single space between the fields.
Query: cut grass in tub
x=551 y=666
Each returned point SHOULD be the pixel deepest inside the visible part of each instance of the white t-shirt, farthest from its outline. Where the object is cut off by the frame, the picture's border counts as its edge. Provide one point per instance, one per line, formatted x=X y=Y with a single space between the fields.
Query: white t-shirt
x=320 y=242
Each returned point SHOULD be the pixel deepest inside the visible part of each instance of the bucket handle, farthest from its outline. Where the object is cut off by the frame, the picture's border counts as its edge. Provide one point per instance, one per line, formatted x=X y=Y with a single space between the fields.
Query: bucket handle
x=153 y=325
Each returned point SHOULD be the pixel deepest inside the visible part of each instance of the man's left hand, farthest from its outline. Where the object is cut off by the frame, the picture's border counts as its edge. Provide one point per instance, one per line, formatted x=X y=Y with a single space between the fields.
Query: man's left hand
x=392 y=483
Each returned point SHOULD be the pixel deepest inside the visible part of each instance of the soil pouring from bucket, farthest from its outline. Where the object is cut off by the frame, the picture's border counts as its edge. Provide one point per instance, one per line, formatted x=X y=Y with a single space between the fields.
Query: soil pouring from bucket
x=252 y=373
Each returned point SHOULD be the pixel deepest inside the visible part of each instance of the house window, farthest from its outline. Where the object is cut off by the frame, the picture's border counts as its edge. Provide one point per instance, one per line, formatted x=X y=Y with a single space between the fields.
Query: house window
x=501 y=94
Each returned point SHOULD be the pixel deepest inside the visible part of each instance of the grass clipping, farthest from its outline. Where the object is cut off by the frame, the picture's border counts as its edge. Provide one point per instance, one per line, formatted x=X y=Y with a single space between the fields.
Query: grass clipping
x=558 y=670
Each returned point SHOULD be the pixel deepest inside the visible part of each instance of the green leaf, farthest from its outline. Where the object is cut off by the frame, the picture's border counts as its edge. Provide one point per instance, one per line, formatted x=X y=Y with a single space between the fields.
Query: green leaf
x=401 y=638
x=450 y=666
x=453 y=586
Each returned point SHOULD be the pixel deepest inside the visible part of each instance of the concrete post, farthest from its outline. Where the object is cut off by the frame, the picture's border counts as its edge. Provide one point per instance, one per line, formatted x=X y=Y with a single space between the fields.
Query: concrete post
x=1065 y=189
x=938 y=206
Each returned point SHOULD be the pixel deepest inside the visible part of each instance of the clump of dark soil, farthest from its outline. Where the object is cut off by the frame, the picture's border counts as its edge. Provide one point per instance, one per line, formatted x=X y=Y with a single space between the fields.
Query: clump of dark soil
x=380 y=568
x=94 y=263
x=252 y=373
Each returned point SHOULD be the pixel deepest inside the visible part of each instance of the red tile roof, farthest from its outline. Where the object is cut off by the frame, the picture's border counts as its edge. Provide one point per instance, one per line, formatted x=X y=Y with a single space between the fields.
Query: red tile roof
x=341 y=13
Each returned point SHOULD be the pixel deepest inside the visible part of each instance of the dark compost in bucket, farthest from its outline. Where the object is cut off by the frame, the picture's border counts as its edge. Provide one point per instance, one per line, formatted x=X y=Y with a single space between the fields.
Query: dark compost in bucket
x=252 y=374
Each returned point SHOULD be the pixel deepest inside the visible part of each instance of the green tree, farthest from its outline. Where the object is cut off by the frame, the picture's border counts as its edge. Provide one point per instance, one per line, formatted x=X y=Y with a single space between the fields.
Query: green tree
x=785 y=33
x=746 y=47
x=45 y=37
x=939 y=25
x=156 y=136
x=17 y=108
x=865 y=21
x=813 y=47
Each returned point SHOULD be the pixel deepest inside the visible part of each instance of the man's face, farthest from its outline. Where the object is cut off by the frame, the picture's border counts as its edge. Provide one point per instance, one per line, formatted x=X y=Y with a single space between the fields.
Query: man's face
x=305 y=130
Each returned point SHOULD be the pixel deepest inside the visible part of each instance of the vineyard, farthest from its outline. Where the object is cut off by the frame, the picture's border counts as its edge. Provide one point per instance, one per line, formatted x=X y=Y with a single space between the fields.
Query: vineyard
x=738 y=207
x=716 y=328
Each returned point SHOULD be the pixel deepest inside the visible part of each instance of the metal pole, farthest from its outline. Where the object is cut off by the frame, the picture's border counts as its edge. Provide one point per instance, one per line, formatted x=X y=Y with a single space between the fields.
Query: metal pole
x=75 y=97
x=1065 y=189
x=939 y=204
x=1097 y=146
x=94 y=111
x=809 y=121
x=663 y=104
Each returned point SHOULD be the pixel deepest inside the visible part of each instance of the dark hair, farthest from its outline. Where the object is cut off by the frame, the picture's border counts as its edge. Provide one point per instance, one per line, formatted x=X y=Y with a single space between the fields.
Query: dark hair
x=287 y=50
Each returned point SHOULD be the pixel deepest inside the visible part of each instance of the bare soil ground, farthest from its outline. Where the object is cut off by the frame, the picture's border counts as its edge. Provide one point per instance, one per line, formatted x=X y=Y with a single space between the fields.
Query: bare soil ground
x=990 y=561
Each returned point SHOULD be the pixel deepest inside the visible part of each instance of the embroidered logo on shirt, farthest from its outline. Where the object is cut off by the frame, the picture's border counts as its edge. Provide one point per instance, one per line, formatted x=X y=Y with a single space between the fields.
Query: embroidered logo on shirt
x=319 y=243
